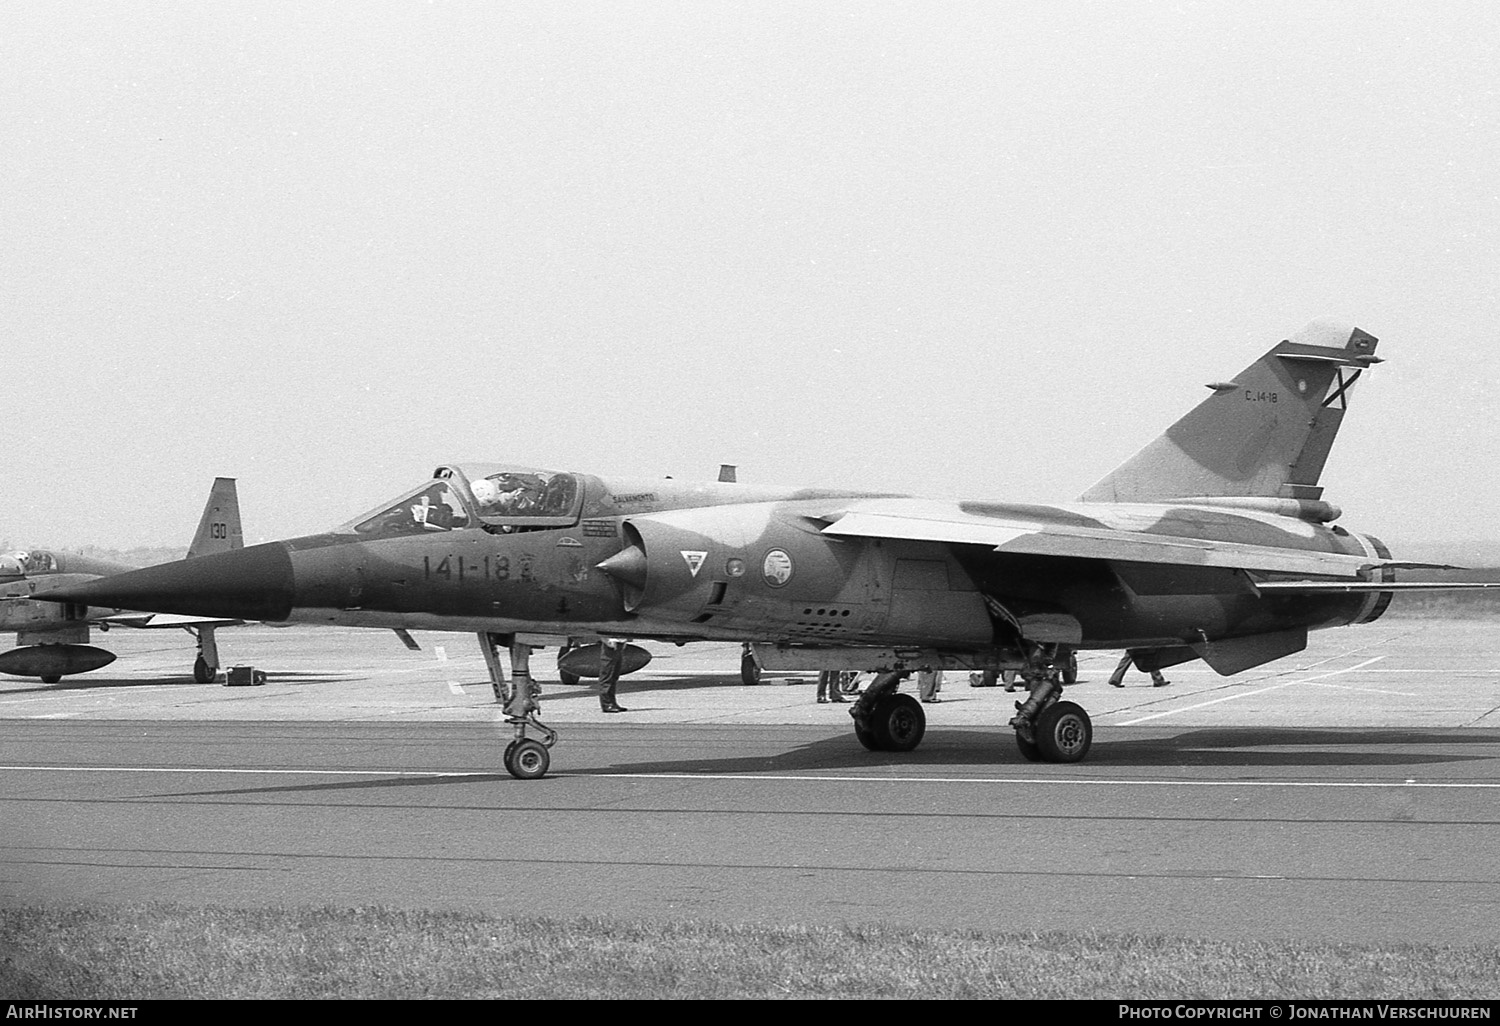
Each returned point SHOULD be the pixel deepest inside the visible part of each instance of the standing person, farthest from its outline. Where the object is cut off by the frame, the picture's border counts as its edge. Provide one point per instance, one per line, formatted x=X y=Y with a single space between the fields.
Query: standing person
x=829 y=690
x=1117 y=679
x=929 y=683
x=611 y=655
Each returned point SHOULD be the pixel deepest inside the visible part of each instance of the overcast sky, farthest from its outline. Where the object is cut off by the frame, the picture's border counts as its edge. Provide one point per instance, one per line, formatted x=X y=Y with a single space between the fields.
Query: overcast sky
x=984 y=250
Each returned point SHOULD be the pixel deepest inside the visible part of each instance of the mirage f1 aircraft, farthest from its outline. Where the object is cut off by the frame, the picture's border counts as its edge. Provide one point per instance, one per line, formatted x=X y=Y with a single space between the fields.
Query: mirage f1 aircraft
x=1212 y=543
x=54 y=638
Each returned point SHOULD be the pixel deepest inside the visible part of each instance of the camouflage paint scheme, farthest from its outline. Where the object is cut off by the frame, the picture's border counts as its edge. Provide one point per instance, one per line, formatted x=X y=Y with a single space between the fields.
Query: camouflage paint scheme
x=1213 y=542
x=689 y=561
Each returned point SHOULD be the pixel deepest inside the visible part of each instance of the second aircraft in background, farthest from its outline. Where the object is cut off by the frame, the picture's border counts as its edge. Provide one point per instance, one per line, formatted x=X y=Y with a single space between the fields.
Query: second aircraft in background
x=53 y=639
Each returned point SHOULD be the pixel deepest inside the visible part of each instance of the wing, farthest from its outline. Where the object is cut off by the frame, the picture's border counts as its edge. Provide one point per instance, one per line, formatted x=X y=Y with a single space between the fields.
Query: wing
x=1136 y=533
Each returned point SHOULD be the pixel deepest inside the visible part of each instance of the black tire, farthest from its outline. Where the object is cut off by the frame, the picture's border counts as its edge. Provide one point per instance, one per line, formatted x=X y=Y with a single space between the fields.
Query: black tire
x=1064 y=732
x=1070 y=669
x=510 y=750
x=529 y=760
x=52 y=678
x=749 y=670
x=1028 y=749
x=867 y=737
x=202 y=672
x=898 y=723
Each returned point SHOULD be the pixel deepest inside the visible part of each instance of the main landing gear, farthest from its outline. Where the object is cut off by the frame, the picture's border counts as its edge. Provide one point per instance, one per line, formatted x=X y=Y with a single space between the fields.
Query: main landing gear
x=1049 y=730
x=526 y=758
x=206 y=666
x=886 y=721
x=749 y=666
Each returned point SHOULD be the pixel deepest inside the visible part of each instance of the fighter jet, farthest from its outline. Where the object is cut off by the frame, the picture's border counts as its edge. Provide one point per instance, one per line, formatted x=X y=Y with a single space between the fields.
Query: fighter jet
x=54 y=639
x=1213 y=542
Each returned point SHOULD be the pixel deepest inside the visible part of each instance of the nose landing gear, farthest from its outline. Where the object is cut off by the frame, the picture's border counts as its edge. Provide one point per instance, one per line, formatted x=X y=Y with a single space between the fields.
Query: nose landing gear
x=525 y=758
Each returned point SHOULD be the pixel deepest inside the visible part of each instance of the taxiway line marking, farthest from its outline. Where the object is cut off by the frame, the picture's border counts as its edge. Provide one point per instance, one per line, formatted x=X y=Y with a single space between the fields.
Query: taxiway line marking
x=246 y=772
x=1248 y=694
x=789 y=777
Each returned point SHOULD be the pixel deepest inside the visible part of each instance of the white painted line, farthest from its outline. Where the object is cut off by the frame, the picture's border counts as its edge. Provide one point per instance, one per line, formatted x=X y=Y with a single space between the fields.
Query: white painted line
x=238 y=772
x=1077 y=782
x=1248 y=694
x=1367 y=691
x=455 y=687
x=1408 y=783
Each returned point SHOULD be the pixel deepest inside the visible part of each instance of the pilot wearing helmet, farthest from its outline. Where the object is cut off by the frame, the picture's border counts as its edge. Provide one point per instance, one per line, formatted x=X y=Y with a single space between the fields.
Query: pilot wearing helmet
x=501 y=495
x=485 y=493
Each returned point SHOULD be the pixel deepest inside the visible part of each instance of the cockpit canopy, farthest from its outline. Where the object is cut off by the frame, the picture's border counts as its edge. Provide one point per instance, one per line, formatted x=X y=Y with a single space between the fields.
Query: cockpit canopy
x=497 y=497
x=21 y=563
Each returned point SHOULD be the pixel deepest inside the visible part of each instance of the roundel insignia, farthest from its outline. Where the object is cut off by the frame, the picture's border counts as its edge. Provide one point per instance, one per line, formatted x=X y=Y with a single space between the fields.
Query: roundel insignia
x=777 y=568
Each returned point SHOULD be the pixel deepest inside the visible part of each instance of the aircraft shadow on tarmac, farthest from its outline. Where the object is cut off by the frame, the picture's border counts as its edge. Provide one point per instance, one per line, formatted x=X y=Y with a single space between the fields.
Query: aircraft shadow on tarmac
x=1218 y=748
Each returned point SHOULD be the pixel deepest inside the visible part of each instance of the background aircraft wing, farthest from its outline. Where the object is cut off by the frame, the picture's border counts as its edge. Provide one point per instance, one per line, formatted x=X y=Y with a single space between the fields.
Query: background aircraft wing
x=147 y=621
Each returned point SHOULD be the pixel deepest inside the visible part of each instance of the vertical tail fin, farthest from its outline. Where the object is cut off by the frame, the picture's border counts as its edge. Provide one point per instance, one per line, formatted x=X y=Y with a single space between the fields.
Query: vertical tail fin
x=1266 y=433
x=219 y=529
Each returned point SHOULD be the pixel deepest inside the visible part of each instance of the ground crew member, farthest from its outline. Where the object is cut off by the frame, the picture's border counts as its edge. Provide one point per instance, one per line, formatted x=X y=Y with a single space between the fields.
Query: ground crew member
x=830 y=686
x=929 y=683
x=611 y=655
x=1117 y=679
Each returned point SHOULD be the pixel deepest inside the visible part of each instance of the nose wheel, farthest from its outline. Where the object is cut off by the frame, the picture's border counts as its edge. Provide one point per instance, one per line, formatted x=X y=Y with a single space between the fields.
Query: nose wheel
x=527 y=759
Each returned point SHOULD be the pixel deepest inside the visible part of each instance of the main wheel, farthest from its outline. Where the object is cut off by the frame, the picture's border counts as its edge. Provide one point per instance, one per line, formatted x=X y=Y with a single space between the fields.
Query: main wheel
x=1064 y=732
x=1070 y=669
x=898 y=722
x=510 y=750
x=528 y=759
x=52 y=678
x=202 y=672
x=749 y=670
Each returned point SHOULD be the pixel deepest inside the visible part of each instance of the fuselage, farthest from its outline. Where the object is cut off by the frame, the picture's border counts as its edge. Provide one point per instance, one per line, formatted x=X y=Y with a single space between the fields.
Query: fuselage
x=676 y=561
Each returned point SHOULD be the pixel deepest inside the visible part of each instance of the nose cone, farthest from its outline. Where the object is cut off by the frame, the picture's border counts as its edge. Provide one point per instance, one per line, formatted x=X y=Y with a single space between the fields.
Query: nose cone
x=244 y=584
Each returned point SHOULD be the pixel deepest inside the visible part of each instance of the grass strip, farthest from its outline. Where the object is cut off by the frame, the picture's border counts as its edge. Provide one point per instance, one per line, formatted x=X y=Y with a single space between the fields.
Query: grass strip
x=176 y=952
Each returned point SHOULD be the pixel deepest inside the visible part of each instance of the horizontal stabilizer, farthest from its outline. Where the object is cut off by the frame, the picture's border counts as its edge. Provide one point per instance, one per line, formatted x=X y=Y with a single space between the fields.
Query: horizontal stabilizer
x=1301 y=587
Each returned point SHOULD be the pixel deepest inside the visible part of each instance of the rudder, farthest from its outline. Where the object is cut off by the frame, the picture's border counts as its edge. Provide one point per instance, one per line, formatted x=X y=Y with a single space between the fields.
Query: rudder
x=1266 y=433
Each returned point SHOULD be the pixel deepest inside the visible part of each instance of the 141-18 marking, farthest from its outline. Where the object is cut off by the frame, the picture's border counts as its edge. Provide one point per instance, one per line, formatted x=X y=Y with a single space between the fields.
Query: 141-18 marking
x=497 y=568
